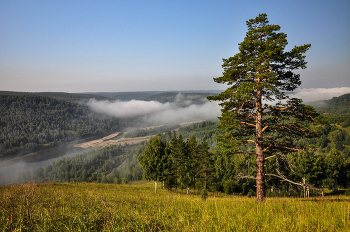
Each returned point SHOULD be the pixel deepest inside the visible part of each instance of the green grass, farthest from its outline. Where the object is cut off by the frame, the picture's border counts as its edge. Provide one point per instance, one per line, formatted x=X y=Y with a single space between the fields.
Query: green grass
x=109 y=207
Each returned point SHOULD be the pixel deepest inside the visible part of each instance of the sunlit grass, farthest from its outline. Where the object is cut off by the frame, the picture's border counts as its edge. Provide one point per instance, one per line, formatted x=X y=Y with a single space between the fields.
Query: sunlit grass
x=108 y=207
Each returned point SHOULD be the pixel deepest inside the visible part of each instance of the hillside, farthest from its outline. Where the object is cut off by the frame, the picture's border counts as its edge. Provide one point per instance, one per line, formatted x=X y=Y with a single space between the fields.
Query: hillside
x=126 y=96
x=336 y=105
x=33 y=121
x=37 y=119
x=110 y=207
x=30 y=121
x=69 y=97
x=160 y=96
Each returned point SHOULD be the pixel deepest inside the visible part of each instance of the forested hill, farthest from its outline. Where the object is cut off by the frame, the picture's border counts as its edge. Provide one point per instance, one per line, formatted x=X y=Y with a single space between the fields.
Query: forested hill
x=195 y=97
x=32 y=121
x=336 y=105
x=126 y=96
x=70 y=97
x=29 y=122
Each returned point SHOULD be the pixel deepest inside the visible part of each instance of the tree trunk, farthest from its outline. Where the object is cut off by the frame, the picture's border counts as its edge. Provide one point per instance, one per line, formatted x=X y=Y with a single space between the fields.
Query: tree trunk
x=260 y=174
x=155 y=186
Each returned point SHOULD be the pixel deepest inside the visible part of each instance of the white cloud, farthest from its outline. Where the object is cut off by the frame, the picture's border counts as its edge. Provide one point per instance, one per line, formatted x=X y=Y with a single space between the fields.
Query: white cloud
x=131 y=108
x=158 y=113
x=181 y=110
x=318 y=94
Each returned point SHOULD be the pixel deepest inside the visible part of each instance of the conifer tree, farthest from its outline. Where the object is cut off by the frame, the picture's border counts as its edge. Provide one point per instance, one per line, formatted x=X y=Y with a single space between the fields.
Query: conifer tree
x=256 y=108
x=193 y=160
x=181 y=160
x=206 y=167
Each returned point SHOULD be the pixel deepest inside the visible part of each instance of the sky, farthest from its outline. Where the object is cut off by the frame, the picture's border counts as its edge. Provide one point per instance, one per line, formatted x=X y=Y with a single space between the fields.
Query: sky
x=116 y=46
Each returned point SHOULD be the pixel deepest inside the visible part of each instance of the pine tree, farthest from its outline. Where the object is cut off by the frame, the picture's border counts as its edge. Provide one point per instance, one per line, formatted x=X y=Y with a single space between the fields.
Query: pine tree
x=181 y=160
x=206 y=167
x=193 y=160
x=256 y=108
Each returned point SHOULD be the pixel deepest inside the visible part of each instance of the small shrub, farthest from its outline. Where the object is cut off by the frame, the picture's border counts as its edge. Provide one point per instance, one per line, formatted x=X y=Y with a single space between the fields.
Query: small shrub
x=251 y=193
x=347 y=192
x=230 y=186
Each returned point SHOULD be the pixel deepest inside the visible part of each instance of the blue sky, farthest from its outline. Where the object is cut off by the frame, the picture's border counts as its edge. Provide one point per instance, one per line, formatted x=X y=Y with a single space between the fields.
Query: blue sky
x=94 y=46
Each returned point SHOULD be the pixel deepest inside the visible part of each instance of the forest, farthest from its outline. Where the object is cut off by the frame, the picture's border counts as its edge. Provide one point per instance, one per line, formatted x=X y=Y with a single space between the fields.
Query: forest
x=31 y=121
x=328 y=165
x=35 y=121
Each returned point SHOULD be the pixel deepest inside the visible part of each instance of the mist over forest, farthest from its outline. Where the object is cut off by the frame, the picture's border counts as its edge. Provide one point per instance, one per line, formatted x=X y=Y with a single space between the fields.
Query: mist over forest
x=43 y=136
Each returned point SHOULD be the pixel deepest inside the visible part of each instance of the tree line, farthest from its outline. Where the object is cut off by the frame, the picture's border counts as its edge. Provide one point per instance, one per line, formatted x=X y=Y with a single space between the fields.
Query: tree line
x=113 y=164
x=178 y=163
x=188 y=164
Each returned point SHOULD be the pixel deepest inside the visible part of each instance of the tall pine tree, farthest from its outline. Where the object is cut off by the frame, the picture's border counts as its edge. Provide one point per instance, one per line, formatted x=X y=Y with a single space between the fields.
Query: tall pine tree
x=256 y=108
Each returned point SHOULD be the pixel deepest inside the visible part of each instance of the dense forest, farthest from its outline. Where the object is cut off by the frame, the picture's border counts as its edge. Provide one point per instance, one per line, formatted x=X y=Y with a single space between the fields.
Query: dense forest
x=34 y=121
x=188 y=164
x=113 y=164
x=336 y=105
x=31 y=122
x=327 y=164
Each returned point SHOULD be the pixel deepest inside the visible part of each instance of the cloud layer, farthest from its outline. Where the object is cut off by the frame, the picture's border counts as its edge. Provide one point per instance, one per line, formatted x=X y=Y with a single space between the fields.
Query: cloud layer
x=319 y=94
x=184 y=110
x=154 y=112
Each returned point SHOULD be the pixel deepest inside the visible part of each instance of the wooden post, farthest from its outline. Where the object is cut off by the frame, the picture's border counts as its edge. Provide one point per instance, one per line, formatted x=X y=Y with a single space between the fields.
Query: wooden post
x=322 y=192
x=304 y=186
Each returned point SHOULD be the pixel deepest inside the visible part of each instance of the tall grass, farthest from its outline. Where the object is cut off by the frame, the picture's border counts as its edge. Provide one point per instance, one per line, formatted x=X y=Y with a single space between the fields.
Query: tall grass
x=108 y=207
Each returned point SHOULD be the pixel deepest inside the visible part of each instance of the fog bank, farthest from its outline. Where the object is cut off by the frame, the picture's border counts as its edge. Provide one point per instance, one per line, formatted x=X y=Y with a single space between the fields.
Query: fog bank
x=319 y=94
x=154 y=112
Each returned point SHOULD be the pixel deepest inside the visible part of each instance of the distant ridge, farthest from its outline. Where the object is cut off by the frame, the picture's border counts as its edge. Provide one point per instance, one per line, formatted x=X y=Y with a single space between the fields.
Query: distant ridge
x=69 y=97
x=336 y=105
x=161 y=96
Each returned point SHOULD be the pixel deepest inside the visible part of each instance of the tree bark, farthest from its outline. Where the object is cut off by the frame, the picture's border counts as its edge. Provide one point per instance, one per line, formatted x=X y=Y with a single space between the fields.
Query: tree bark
x=260 y=183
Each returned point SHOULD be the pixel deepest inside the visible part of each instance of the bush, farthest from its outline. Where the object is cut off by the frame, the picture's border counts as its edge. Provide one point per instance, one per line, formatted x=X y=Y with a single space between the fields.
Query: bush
x=230 y=186
x=251 y=193
x=347 y=192
x=346 y=123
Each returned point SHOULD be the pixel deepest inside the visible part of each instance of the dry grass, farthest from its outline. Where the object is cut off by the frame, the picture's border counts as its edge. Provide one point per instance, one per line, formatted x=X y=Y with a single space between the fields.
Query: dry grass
x=108 y=207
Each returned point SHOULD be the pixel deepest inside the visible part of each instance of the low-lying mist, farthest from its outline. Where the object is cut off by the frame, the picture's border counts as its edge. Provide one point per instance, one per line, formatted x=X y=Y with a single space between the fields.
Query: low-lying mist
x=319 y=94
x=184 y=110
x=156 y=113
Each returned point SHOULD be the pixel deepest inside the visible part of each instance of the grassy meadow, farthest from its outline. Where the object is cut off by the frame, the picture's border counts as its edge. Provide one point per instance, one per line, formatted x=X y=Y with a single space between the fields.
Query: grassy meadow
x=110 y=207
